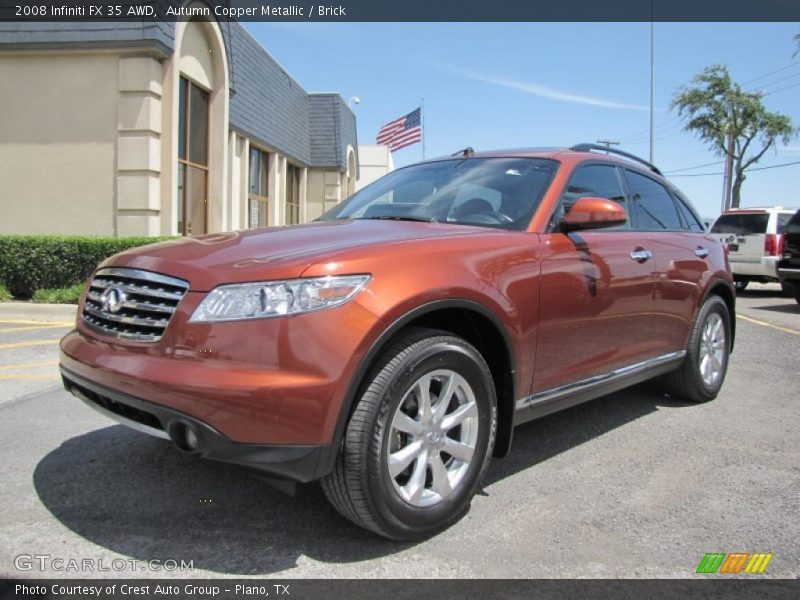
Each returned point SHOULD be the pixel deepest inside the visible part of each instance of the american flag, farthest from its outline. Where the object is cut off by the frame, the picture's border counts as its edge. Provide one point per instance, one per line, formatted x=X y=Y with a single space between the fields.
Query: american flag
x=402 y=132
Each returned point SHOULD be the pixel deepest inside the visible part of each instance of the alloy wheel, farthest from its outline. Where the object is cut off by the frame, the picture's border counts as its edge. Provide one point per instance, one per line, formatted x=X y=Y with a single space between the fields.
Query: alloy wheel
x=432 y=438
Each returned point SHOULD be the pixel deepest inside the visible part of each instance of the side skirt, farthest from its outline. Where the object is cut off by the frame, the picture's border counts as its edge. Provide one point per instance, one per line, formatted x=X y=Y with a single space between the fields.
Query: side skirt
x=550 y=401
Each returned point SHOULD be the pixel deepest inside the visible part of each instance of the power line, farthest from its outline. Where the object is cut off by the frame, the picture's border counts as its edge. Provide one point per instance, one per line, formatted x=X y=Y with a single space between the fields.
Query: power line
x=796 y=162
x=719 y=162
x=782 y=79
x=771 y=73
x=788 y=87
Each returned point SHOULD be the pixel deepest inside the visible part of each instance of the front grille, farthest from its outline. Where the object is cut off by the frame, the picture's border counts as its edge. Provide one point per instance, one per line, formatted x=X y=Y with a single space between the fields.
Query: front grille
x=132 y=305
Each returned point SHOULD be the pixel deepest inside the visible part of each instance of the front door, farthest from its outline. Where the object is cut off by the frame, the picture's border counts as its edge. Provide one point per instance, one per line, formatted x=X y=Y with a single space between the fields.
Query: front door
x=596 y=291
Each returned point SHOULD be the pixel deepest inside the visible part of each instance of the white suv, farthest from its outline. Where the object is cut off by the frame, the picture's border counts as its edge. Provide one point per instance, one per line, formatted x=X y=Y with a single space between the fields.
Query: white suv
x=754 y=237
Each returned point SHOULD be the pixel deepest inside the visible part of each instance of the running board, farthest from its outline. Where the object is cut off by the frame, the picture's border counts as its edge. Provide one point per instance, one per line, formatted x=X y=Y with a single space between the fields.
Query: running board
x=559 y=398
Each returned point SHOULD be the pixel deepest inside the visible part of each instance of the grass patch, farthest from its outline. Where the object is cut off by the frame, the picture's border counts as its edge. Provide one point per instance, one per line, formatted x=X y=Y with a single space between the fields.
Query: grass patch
x=68 y=295
x=5 y=295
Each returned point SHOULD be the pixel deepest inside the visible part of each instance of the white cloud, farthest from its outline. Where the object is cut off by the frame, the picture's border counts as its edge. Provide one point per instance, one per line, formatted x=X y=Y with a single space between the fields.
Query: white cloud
x=544 y=91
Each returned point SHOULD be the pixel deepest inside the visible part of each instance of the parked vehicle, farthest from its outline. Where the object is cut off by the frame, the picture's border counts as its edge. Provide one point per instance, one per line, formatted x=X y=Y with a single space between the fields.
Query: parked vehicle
x=754 y=237
x=789 y=265
x=390 y=348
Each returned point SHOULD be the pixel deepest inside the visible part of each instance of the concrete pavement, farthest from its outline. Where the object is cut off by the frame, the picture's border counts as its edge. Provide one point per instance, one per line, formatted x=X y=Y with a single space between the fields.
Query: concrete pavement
x=635 y=484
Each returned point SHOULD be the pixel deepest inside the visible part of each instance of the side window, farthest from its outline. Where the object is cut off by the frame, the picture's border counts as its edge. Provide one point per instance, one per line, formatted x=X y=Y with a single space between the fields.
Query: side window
x=688 y=216
x=599 y=181
x=653 y=205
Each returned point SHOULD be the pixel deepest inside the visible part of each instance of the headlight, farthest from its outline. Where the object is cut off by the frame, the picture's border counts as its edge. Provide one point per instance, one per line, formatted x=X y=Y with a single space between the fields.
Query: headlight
x=277 y=298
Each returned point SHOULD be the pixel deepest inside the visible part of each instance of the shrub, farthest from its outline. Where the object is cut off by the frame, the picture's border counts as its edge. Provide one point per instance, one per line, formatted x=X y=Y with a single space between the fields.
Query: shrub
x=32 y=262
x=70 y=295
x=5 y=295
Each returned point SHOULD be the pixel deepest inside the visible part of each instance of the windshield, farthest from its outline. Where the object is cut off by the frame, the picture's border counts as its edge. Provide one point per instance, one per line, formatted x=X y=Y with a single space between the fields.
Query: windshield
x=487 y=192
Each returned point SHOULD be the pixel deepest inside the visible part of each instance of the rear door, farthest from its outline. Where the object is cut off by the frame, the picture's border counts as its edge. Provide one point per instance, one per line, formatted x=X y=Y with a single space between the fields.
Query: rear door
x=744 y=232
x=681 y=249
x=596 y=298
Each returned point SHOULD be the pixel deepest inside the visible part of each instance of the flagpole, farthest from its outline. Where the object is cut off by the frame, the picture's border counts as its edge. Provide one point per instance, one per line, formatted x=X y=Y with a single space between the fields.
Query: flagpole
x=422 y=125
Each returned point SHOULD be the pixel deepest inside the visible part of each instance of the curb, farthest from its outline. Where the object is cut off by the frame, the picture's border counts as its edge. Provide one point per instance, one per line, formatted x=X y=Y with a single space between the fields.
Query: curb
x=46 y=313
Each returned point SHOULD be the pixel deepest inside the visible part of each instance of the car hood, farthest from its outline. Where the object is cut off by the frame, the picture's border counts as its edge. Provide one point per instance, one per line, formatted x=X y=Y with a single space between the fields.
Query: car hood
x=273 y=253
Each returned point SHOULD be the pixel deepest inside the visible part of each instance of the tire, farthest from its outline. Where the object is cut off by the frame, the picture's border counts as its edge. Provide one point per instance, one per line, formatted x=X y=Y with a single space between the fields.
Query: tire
x=411 y=500
x=688 y=381
x=797 y=293
x=788 y=290
x=740 y=284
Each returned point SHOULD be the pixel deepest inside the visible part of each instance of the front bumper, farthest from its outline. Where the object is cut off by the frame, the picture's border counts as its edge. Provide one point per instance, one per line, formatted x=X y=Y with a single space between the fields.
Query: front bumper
x=295 y=462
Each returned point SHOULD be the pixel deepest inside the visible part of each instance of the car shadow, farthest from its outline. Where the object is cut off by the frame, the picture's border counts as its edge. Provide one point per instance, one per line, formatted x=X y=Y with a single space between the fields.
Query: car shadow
x=139 y=497
x=791 y=308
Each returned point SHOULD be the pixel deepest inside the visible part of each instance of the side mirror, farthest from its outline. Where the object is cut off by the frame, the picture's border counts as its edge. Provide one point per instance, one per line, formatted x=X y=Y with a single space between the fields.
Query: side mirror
x=593 y=213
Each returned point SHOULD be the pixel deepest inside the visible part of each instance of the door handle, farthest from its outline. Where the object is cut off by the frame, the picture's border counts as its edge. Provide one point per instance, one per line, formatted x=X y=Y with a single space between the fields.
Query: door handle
x=641 y=255
x=701 y=252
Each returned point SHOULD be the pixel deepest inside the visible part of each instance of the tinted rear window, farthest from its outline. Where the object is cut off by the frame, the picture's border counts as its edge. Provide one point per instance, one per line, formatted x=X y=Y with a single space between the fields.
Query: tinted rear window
x=783 y=219
x=742 y=224
x=794 y=223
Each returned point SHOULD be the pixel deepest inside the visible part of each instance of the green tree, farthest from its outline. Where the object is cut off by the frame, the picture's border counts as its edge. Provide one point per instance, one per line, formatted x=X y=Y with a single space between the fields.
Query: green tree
x=715 y=107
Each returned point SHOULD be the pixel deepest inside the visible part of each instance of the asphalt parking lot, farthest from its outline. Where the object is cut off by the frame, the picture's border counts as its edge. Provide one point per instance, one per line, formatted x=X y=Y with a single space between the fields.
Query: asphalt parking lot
x=635 y=484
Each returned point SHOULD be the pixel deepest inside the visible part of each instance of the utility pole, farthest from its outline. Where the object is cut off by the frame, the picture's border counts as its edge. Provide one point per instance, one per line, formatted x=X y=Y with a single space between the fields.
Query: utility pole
x=608 y=143
x=727 y=181
x=729 y=171
x=652 y=78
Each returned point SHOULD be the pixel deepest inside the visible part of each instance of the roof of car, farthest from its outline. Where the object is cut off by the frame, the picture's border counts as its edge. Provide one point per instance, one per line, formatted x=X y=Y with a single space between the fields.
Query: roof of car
x=582 y=151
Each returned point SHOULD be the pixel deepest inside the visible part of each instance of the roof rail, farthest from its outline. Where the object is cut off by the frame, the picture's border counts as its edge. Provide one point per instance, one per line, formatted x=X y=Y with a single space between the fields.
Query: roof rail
x=590 y=147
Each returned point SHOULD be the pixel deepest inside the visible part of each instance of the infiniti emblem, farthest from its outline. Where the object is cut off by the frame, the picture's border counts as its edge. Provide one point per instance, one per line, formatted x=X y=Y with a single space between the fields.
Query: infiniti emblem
x=112 y=299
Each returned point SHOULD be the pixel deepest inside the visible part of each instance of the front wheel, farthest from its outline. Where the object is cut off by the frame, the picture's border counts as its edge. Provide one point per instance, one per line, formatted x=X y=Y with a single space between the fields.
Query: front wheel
x=419 y=440
x=700 y=376
x=788 y=290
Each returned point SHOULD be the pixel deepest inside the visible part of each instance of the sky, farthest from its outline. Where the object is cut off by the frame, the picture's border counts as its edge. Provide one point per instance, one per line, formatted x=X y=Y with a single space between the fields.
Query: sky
x=512 y=85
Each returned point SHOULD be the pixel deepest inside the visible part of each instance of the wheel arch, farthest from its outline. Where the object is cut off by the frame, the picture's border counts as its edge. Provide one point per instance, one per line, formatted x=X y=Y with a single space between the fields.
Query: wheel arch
x=468 y=319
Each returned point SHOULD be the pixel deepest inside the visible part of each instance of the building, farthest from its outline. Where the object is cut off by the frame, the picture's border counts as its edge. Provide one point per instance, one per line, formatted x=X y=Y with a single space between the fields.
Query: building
x=151 y=129
x=374 y=161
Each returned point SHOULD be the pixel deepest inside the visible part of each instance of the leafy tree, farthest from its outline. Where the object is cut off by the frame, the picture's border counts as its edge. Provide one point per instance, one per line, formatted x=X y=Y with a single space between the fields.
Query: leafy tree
x=715 y=106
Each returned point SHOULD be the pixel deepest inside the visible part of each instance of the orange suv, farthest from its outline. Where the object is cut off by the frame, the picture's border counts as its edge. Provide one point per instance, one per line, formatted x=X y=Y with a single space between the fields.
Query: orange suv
x=390 y=348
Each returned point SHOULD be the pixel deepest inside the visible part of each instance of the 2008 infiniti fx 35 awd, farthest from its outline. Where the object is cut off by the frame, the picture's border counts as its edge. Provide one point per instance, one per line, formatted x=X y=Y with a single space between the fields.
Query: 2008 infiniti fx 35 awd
x=389 y=348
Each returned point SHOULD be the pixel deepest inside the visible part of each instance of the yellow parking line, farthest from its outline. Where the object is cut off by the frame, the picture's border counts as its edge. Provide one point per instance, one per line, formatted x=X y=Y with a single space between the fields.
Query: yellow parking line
x=30 y=377
x=32 y=328
x=32 y=365
x=30 y=322
x=770 y=325
x=27 y=344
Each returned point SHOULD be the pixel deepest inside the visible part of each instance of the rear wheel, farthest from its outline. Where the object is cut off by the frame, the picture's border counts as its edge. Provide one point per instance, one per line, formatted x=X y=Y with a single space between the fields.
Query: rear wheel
x=788 y=290
x=420 y=438
x=700 y=376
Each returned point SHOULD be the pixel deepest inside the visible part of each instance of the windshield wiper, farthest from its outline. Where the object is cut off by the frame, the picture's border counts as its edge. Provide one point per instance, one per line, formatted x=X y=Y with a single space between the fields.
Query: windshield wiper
x=401 y=218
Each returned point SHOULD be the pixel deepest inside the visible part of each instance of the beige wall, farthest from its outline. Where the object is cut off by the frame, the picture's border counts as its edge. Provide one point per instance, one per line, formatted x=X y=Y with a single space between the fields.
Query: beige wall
x=88 y=144
x=58 y=134
x=375 y=161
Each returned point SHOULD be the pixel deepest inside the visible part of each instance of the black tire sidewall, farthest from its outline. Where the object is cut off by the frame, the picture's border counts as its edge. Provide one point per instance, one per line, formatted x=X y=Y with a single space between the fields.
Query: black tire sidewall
x=403 y=517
